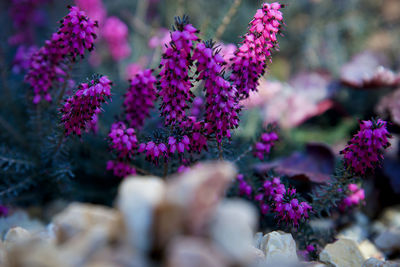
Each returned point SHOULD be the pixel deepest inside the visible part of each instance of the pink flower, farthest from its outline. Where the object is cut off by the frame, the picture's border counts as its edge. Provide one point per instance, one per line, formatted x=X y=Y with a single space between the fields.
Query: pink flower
x=25 y=14
x=139 y=98
x=123 y=140
x=227 y=51
x=120 y=169
x=132 y=69
x=363 y=153
x=174 y=84
x=222 y=108
x=250 y=60
x=115 y=33
x=22 y=58
x=244 y=187
x=263 y=147
x=47 y=65
x=355 y=196
x=78 y=110
x=161 y=39
x=76 y=33
x=93 y=8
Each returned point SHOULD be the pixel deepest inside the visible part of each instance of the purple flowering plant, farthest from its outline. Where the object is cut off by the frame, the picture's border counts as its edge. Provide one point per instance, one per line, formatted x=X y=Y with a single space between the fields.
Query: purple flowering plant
x=165 y=120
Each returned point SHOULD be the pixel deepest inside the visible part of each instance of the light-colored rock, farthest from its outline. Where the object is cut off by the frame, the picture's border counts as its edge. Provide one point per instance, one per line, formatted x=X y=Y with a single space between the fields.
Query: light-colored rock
x=257 y=240
x=354 y=232
x=3 y=254
x=16 y=235
x=232 y=228
x=78 y=218
x=190 y=201
x=313 y=264
x=20 y=218
x=279 y=247
x=36 y=253
x=391 y=217
x=198 y=191
x=137 y=200
x=369 y=250
x=194 y=252
x=342 y=253
x=389 y=240
x=372 y=262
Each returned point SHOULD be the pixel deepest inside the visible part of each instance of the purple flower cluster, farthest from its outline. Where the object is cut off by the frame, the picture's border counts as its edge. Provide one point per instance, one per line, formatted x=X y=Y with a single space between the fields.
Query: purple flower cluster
x=124 y=142
x=115 y=33
x=157 y=150
x=250 y=60
x=25 y=14
x=263 y=147
x=273 y=196
x=244 y=188
x=222 y=107
x=23 y=57
x=48 y=64
x=175 y=84
x=140 y=98
x=120 y=169
x=79 y=109
x=290 y=210
x=355 y=196
x=363 y=151
x=76 y=34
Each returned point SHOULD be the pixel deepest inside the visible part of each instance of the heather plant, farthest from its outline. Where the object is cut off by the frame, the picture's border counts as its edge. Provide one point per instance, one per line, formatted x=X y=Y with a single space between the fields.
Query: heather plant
x=166 y=120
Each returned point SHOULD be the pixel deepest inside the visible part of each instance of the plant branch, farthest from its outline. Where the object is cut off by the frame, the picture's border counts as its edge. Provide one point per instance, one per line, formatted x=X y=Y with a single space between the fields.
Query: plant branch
x=248 y=150
x=227 y=19
x=13 y=132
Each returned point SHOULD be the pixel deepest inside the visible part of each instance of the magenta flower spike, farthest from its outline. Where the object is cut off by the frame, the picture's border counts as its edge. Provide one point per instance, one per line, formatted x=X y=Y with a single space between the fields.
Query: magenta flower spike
x=123 y=140
x=120 y=168
x=48 y=64
x=78 y=110
x=139 y=98
x=76 y=33
x=364 y=151
x=222 y=108
x=174 y=84
x=250 y=60
x=263 y=147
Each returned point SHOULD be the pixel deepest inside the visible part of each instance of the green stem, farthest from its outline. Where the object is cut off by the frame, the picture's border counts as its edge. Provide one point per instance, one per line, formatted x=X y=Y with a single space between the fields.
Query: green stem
x=165 y=169
x=64 y=88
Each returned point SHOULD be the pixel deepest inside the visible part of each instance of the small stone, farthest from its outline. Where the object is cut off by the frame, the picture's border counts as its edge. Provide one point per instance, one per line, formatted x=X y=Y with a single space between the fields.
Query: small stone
x=138 y=197
x=369 y=250
x=16 y=235
x=372 y=262
x=389 y=240
x=194 y=252
x=78 y=218
x=257 y=239
x=279 y=247
x=355 y=232
x=198 y=191
x=38 y=253
x=190 y=202
x=313 y=264
x=391 y=217
x=232 y=228
x=342 y=253
x=20 y=218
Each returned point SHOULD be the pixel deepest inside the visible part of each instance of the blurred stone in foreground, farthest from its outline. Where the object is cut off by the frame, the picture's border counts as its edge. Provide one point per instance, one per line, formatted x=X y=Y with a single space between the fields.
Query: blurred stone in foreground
x=183 y=221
